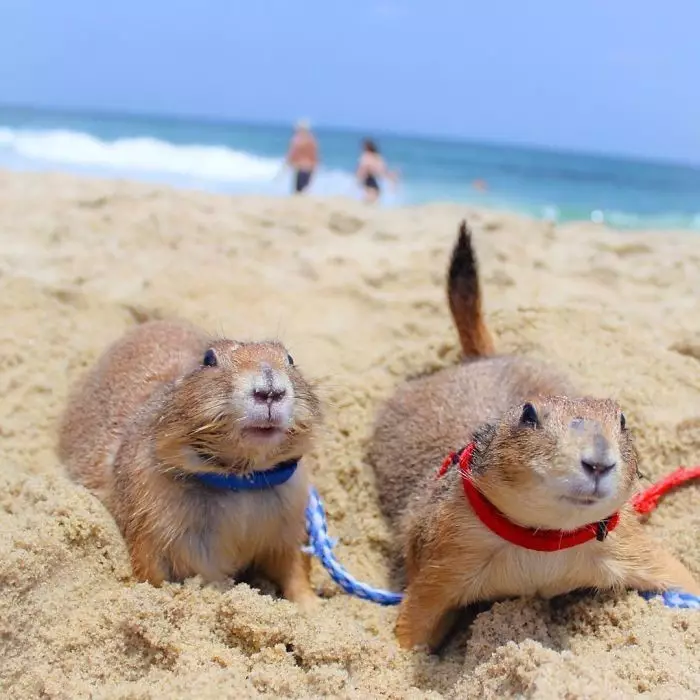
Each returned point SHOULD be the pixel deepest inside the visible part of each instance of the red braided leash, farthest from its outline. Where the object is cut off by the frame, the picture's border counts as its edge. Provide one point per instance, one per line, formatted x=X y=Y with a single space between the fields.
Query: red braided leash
x=646 y=501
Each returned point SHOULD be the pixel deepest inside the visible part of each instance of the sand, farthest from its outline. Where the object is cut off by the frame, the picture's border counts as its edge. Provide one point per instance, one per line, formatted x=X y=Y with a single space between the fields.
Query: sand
x=357 y=295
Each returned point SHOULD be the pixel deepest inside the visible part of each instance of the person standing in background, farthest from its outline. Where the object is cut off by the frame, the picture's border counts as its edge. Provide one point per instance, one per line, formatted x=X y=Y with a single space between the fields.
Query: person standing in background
x=370 y=168
x=302 y=156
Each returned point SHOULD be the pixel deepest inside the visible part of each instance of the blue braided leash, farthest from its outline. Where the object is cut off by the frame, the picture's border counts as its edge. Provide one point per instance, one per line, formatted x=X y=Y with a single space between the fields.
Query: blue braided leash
x=321 y=546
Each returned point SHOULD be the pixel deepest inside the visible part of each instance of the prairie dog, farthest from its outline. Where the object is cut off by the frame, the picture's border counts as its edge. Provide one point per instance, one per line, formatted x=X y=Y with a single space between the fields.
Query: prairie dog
x=166 y=404
x=541 y=458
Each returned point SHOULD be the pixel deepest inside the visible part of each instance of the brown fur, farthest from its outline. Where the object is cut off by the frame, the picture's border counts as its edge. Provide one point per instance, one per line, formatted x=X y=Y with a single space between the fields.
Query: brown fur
x=150 y=412
x=527 y=470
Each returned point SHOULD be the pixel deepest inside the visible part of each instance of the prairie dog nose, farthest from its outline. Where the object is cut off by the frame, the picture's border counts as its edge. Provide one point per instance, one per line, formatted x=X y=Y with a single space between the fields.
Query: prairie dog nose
x=267 y=386
x=268 y=395
x=597 y=468
x=598 y=458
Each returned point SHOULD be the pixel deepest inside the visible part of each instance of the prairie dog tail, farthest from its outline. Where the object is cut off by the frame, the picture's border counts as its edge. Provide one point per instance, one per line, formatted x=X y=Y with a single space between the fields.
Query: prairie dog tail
x=464 y=296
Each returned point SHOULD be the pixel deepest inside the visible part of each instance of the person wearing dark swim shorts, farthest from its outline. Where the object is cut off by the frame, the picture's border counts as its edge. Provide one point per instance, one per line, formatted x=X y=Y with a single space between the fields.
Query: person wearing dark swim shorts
x=302 y=156
x=371 y=183
x=302 y=180
x=370 y=169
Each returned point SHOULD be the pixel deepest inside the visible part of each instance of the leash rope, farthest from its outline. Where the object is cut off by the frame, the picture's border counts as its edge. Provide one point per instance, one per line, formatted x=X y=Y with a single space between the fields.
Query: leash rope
x=321 y=546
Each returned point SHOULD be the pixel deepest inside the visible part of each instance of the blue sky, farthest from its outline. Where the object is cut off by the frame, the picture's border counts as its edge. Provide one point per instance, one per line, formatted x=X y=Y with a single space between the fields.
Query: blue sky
x=605 y=75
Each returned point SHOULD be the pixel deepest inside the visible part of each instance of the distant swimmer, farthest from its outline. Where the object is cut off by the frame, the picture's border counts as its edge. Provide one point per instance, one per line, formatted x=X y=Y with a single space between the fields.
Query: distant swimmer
x=370 y=168
x=303 y=155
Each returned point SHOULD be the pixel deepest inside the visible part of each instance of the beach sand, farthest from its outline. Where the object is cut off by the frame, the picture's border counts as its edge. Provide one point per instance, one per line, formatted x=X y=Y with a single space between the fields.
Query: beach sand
x=357 y=295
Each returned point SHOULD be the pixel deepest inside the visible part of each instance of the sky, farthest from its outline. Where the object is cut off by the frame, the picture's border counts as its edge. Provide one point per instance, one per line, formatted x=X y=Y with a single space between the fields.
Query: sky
x=615 y=76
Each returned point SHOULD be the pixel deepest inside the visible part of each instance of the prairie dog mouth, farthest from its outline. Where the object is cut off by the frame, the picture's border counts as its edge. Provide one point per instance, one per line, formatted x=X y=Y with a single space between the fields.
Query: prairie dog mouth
x=581 y=500
x=263 y=430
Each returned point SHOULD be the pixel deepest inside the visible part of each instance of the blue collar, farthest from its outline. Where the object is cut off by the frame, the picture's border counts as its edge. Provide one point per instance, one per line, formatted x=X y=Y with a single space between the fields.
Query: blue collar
x=257 y=481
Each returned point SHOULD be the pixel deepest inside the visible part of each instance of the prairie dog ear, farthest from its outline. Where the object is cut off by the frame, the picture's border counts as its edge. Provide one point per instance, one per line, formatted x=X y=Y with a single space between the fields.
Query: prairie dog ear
x=210 y=359
x=529 y=417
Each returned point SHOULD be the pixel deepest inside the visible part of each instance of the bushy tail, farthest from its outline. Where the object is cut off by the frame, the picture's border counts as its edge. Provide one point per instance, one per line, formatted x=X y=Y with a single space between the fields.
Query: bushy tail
x=464 y=295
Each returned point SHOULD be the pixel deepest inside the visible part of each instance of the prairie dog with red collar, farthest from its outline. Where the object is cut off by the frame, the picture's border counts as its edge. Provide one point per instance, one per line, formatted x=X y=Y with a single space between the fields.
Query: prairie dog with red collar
x=194 y=445
x=537 y=504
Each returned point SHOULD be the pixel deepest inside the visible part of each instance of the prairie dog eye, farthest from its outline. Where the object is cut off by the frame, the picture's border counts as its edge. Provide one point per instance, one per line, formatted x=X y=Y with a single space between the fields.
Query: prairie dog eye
x=209 y=359
x=623 y=422
x=290 y=359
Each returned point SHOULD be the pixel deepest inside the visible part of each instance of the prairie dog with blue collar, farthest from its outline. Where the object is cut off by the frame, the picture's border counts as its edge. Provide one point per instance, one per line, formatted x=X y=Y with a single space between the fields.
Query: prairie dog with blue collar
x=194 y=445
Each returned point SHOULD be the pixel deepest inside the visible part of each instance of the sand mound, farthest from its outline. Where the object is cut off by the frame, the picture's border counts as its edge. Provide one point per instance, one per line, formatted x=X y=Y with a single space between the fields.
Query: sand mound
x=358 y=296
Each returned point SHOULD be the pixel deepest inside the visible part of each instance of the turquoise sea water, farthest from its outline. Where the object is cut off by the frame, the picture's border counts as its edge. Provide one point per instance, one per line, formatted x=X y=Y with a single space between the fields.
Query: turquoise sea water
x=242 y=158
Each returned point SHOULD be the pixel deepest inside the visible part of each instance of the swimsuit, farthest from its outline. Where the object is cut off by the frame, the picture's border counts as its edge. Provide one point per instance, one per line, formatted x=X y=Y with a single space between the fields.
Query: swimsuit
x=371 y=183
x=302 y=180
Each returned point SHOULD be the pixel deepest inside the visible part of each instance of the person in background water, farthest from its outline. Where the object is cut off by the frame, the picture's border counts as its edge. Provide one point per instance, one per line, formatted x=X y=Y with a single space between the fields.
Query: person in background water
x=370 y=169
x=302 y=155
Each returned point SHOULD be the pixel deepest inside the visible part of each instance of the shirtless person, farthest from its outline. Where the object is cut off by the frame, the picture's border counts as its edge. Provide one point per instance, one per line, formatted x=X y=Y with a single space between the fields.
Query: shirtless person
x=302 y=155
x=370 y=169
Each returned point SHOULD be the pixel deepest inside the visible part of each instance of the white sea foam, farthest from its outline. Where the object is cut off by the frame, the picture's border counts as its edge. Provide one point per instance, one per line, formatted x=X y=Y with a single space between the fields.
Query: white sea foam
x=139 y=154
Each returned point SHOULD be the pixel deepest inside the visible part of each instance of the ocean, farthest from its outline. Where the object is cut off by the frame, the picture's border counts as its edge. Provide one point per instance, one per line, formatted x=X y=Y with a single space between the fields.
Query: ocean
x=247 y=158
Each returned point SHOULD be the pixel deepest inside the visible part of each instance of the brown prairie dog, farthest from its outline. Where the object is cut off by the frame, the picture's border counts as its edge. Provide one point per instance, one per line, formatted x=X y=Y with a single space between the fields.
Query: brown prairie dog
x=544 y=458
x=166 y=404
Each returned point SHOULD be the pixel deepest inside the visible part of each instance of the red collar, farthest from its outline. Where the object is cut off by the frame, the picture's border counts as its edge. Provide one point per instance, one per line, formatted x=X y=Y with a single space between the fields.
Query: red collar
x=529 y=538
